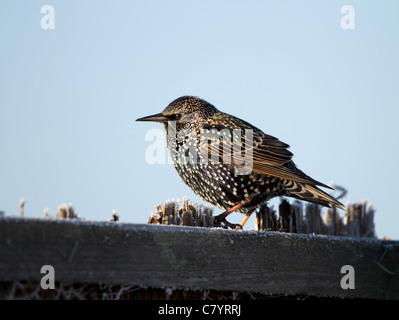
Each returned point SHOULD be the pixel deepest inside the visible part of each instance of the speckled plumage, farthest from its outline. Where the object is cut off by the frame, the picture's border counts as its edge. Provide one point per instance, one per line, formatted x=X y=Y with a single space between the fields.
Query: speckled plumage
x=190 y=122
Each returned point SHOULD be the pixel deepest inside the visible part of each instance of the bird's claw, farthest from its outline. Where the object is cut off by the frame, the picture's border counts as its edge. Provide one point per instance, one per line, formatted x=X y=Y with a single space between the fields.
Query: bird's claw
x=223 y=223
x=232 y=226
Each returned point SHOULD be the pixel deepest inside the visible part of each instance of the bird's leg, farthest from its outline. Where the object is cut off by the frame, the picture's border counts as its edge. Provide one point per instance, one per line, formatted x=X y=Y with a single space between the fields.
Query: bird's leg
x=222 y=217
x=244 y=220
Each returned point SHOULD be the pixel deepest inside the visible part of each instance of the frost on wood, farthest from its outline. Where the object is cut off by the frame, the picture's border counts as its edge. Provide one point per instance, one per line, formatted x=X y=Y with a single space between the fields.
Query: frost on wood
x=193 y=215
x=115 y=216
x=21 y=206
x=358 y=220
x=295 y=217
x=266 y=219
x=66 y=211
x=158 y=256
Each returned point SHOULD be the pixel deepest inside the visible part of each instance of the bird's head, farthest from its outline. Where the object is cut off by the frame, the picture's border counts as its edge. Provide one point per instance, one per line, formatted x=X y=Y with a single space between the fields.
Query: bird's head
x=188 y=112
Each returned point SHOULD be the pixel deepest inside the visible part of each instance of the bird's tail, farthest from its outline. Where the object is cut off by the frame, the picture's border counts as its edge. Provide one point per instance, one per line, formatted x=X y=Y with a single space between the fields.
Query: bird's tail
x=311 y=193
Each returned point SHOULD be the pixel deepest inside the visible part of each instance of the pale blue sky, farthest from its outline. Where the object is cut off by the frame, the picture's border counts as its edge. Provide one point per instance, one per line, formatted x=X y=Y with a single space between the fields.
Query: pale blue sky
x=69 y=96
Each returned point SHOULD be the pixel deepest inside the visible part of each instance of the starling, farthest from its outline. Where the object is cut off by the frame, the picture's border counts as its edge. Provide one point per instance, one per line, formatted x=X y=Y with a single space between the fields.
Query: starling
x=229 y=162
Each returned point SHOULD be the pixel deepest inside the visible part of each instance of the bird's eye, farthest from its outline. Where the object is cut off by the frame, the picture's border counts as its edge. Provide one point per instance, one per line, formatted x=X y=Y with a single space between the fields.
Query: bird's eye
x=176 y=116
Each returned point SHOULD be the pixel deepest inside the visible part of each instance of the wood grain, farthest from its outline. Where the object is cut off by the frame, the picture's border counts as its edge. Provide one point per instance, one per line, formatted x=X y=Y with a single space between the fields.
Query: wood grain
x=163 y=256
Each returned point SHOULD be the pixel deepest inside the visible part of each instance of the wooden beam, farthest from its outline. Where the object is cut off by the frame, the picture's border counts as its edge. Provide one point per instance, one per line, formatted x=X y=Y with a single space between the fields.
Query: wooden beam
x=163 y=256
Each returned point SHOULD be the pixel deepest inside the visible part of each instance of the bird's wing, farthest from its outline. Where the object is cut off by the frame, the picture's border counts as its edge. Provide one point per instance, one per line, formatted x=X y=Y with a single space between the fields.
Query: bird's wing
x=267 y=154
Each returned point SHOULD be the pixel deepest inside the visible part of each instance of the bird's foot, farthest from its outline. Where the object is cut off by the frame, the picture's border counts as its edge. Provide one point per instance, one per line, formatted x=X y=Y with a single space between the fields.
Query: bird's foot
x=220 y=221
